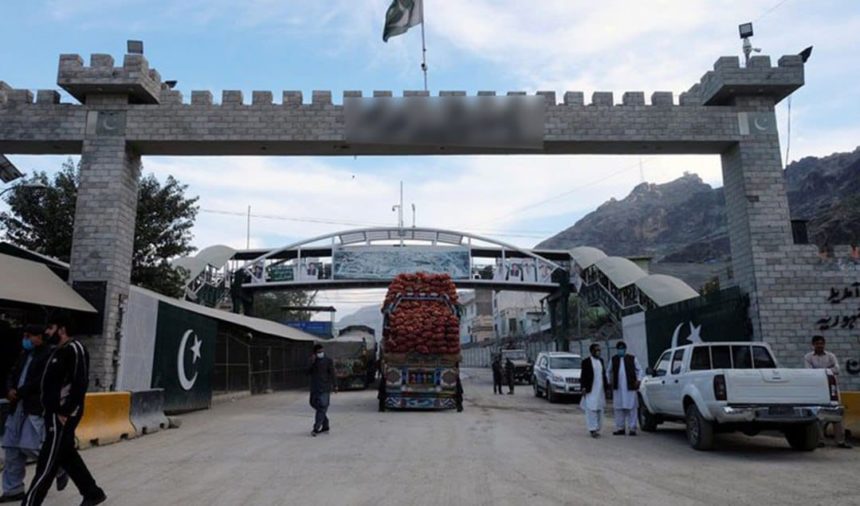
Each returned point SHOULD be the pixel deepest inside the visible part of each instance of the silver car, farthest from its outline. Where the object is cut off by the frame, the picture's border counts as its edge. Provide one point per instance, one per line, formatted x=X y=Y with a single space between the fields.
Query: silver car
x=556 y=373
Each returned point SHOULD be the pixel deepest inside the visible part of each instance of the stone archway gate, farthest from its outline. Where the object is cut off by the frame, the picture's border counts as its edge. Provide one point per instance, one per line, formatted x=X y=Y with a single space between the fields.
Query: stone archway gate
x=126 y=112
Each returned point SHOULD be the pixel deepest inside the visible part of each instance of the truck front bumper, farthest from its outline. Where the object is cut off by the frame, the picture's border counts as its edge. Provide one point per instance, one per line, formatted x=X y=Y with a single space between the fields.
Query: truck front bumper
x=779 y=414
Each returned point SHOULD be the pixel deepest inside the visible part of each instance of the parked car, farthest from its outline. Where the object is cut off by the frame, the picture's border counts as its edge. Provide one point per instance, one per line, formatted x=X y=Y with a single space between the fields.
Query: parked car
x=737 y=386
x=556 y=374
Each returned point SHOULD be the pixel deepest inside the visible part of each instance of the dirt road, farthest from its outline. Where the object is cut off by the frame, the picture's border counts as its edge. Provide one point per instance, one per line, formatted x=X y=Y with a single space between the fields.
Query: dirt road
x=517 y=450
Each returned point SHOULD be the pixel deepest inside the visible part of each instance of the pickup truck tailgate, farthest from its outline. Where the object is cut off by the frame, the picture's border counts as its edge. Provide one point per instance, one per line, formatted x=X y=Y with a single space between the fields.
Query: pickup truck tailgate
x=777 y=386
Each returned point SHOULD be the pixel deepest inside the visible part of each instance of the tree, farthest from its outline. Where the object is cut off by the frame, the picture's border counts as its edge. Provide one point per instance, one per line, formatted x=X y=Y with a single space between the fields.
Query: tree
x=267 y=305
x=42 y=220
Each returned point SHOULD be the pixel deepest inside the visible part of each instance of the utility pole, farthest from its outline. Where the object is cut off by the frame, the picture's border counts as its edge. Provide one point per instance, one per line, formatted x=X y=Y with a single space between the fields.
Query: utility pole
x=399 y=208
x=248 y=230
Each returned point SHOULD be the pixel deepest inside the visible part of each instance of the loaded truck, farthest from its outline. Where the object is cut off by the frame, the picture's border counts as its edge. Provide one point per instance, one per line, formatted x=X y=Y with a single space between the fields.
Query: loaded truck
x=420 y=358
x=354 y=354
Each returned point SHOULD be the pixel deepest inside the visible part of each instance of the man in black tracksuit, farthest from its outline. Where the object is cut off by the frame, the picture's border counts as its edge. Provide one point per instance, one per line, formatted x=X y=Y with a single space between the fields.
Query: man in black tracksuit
x=64 y=386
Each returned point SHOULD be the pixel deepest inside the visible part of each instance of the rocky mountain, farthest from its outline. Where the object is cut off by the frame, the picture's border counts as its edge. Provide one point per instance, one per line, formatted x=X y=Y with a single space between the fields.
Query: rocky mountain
x=685 y=220
x=370 y=316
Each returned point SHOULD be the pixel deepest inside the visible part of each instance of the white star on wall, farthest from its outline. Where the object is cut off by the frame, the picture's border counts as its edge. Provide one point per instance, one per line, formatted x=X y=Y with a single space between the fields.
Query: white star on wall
x=195 y=348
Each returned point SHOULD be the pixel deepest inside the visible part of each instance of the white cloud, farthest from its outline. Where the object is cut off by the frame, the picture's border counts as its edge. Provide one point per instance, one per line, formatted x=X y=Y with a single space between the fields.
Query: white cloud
x=488 y=195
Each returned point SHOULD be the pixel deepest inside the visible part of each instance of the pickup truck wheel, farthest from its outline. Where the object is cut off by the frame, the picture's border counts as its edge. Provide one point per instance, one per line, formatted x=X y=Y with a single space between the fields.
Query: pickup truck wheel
x=803 y=438
x=700 y=432
x=536 y=389
x=550 y=395
x=647 y=421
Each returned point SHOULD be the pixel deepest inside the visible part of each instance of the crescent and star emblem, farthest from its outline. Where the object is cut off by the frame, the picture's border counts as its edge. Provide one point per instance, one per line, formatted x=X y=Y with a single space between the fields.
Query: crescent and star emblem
x=694 y=337
x=762 y=124
x=184 y=381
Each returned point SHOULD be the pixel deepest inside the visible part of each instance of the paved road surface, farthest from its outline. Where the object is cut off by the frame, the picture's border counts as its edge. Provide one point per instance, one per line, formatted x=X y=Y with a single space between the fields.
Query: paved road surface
x=516 y=450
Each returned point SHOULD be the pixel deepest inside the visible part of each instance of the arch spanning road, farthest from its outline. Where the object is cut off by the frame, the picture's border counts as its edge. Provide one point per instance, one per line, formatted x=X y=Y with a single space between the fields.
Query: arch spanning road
x=371 y=257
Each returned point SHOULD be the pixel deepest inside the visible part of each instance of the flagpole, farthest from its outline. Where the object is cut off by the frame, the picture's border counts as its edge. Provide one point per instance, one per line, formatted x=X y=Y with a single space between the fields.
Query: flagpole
x=423 y=47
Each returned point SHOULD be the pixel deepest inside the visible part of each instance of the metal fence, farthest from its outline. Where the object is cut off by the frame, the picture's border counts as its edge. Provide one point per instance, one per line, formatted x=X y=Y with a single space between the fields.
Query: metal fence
x=258 y=363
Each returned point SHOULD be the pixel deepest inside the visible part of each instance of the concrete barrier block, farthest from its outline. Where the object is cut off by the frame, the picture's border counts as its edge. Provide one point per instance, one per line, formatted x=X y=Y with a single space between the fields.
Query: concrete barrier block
x=851 y=402
x=106 y=419
x=147 y=411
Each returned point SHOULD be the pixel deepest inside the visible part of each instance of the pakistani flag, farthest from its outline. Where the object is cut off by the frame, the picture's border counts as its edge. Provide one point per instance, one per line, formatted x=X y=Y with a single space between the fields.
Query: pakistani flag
x=401 y=16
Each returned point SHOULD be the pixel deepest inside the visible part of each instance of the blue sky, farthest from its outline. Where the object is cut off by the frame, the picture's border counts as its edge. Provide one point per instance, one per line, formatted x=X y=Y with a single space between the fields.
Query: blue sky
x=477 y=45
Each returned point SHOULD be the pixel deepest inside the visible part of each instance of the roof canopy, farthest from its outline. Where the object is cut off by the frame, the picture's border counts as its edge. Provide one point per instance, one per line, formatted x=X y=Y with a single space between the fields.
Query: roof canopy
x=620 y=271
x=664 y=290
x=30 y=282
x=586 y=256
x=216 y=256
x=256 y=324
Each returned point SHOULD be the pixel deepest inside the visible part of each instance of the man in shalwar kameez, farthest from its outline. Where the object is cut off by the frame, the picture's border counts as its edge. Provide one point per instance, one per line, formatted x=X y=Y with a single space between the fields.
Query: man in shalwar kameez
x=625 y=373
x=25 y=427
x=593 y=379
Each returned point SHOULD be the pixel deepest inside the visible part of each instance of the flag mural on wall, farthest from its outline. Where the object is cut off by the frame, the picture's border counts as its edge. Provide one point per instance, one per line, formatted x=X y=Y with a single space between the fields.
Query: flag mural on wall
x=184 y=358
x=401 y=16
x=722 y=316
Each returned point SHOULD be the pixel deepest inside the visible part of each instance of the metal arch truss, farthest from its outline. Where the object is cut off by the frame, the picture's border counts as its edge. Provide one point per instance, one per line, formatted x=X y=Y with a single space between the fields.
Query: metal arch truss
x=531 y=273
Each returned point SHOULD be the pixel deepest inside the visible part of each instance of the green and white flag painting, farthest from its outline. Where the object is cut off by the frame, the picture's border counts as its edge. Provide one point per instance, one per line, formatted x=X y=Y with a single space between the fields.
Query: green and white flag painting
x=401 y=16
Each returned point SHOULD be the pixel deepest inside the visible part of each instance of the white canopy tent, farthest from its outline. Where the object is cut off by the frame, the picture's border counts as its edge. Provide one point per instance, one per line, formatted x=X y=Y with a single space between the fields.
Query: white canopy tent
x=24 y=281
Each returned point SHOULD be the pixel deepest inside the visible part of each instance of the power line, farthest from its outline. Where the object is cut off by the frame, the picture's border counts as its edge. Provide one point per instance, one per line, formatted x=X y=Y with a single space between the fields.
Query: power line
x=297 y=219
x=533 y=234
x=773 y=8
x=569 y=192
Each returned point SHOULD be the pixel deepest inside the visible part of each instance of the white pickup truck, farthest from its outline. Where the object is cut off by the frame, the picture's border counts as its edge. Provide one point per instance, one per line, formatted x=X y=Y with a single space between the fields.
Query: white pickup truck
x=736 y=386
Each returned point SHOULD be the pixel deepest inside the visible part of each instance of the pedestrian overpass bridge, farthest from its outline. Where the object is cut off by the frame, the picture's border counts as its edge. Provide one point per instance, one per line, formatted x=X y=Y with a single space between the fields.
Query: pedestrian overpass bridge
x=372 y=257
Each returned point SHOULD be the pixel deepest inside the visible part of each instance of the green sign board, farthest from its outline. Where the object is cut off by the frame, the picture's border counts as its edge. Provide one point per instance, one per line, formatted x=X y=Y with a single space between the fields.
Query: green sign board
x=184 y=358
x=280 y=273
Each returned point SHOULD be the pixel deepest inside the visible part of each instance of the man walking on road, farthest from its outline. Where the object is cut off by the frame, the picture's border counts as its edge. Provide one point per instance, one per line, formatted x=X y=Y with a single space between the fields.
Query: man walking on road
x=321 y=371
x=509 y=374
x=819 y=358
x=25 y=427
x=64 y=386
x=593 y=379
x=497 y=374
x=626 y=373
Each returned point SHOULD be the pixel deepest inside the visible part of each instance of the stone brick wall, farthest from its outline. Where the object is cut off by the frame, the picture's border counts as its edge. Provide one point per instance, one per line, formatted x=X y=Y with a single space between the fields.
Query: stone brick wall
x=105 y=216
x=126 y=112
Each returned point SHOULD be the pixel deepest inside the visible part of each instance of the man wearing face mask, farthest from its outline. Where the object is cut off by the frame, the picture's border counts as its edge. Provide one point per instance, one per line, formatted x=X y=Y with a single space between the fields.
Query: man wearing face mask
x=25 y=427
x=593 y=379
x=321 y=371
x=64 y=387
x=625 y=373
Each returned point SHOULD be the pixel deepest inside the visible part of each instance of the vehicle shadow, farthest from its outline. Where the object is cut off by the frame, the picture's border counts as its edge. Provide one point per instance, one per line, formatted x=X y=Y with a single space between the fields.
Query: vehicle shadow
x=765 y=447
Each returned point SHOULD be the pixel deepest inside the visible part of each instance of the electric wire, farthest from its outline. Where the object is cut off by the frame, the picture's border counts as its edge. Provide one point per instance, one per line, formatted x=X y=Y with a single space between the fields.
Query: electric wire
x=564 y=194
x=533 y=234
x=773 y=8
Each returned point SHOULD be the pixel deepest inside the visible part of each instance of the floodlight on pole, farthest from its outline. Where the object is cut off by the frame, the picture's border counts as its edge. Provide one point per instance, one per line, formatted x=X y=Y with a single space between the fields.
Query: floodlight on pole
x=745 y=30
x=8 y=171
x=134 y=46
x=805 y=54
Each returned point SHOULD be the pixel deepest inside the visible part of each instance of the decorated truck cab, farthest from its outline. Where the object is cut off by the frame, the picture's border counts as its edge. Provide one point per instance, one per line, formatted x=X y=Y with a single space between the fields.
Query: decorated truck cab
x=421 y=345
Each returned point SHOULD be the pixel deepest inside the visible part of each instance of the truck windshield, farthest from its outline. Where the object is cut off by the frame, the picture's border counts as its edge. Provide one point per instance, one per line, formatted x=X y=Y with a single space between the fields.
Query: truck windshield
x=565 y=363
x=514 y=355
